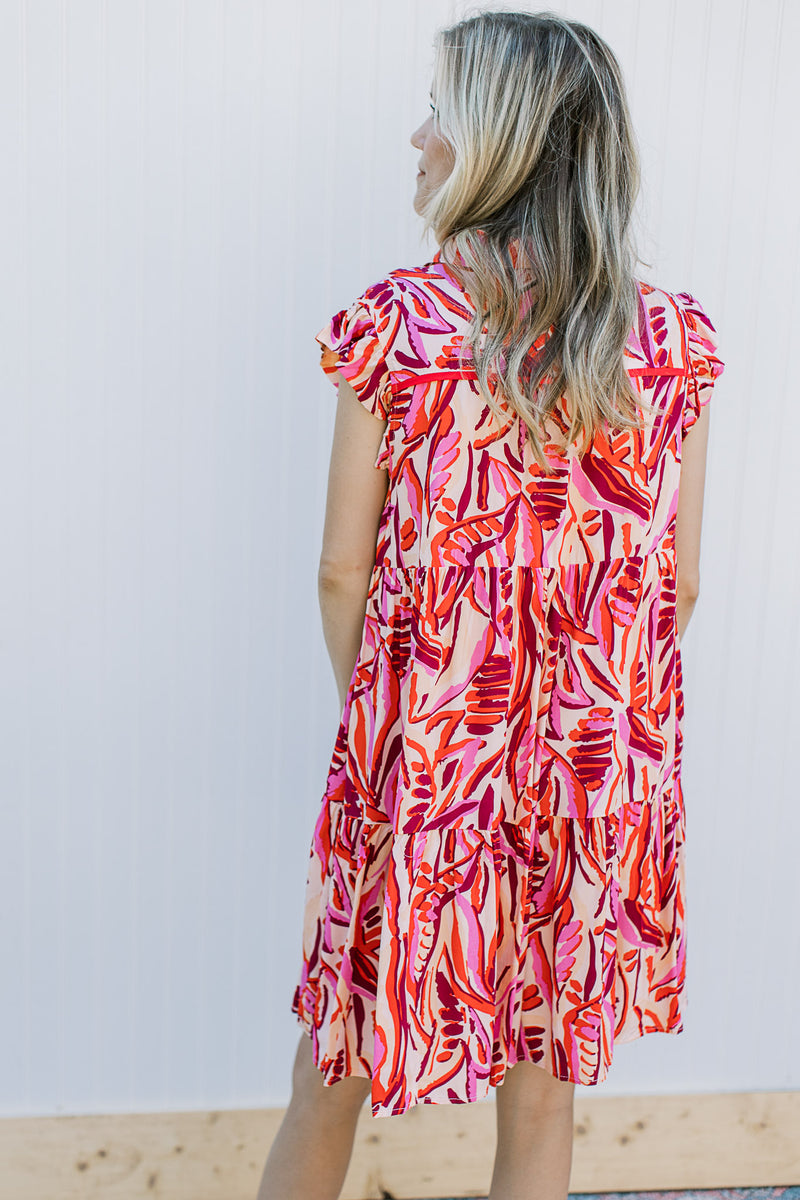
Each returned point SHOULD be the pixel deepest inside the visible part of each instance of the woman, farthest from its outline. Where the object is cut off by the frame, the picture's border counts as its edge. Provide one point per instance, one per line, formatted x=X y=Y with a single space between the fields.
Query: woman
x=496 y=885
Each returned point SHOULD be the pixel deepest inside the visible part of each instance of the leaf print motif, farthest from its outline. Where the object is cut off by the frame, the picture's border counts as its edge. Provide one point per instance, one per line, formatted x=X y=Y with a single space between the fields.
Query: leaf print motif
x=496 y=872
x=591 y=754
x=625 y=594
x=486 y=699
x=549 y=496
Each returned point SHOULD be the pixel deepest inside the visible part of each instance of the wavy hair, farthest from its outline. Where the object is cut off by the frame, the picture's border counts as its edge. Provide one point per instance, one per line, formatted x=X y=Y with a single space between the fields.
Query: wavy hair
x=534 y=218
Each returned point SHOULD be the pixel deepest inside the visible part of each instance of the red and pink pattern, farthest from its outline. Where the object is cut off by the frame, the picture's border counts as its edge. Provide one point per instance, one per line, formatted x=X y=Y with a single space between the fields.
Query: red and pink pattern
x=497 y=870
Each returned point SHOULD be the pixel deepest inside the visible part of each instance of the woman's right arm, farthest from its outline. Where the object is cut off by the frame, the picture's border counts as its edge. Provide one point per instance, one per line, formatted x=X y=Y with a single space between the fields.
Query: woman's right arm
x=690 y=516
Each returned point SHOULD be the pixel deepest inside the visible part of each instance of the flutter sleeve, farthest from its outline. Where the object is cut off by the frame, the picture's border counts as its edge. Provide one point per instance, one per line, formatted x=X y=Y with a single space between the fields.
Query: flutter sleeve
x=351 y=344
x=705 y=366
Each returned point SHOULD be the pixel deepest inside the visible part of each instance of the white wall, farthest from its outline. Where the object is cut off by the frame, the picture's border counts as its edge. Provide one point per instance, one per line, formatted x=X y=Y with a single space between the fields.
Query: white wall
x=190 y=189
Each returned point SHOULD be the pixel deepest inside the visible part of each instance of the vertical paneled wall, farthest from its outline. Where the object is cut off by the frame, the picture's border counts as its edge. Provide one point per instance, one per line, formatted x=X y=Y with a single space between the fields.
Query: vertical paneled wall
x=190 y=189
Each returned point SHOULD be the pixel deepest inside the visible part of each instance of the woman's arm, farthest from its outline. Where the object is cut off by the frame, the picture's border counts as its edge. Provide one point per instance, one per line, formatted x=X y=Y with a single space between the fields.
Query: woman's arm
x=690 y=517
x=356 y=496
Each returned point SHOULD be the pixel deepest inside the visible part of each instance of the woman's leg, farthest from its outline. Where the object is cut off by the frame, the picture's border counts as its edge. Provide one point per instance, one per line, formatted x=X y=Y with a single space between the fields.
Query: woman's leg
x=534 y=1135
x=311 y=1151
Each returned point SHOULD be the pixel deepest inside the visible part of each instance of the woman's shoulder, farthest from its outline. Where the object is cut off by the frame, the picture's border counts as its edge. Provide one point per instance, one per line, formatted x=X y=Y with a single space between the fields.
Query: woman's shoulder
x=673 y=335
x=684 y=304
x=655 y=298
x=396 y=326
x=416 y=313
x=427 y=285
x=681 y=311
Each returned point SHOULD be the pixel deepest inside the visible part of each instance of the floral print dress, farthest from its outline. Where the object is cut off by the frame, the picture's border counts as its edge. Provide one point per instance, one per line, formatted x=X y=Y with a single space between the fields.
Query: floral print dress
x=497 y=869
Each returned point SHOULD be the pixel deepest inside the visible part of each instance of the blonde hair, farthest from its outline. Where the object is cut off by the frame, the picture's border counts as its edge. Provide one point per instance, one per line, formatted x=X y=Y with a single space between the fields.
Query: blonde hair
x=545 y=176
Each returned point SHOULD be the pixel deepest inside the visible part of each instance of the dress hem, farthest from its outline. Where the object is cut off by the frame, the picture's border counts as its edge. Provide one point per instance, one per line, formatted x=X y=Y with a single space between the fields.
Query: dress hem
x=379 y=1110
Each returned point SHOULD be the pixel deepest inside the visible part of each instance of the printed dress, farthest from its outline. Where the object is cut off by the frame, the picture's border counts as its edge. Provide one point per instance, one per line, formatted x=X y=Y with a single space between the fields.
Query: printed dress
x=497 y=869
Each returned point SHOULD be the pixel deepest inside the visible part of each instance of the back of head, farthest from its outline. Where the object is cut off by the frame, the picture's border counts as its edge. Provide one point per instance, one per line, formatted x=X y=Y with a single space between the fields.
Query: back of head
x=536 y=212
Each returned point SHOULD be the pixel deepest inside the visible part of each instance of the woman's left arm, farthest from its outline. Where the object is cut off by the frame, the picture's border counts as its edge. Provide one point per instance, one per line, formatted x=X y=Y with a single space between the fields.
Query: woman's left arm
x=355 y=501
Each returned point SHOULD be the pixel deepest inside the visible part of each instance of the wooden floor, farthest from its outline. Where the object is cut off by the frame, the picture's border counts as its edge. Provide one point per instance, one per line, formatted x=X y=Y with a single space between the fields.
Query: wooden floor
x=622 y=1145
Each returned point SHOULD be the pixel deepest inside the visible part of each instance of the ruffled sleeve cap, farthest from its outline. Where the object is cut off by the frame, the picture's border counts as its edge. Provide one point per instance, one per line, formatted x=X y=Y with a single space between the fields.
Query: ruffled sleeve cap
x=352 y=345
x=705 y=365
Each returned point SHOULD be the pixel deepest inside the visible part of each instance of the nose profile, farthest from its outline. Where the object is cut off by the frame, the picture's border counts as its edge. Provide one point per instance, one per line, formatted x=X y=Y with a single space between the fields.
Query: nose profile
x=419 y=135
